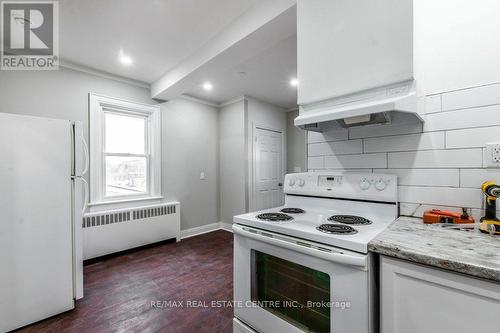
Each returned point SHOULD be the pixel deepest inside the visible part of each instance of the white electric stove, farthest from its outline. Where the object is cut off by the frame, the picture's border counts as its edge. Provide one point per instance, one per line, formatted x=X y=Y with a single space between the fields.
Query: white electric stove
x=297 y=266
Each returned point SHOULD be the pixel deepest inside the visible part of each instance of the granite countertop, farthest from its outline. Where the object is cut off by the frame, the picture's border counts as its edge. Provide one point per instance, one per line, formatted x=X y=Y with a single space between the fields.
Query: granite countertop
x=467 y=252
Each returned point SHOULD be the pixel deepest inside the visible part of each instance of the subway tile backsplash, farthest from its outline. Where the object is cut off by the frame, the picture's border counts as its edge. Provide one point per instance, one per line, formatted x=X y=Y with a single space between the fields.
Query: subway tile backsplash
x=465 y=118
x=441 y=158
x=420 y=141
x=438 y=163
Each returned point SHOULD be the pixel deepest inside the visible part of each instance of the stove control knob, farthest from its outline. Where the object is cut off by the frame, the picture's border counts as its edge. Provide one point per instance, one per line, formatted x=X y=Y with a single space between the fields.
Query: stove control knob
x=291 y=182
x=380 y=185
x=364 y=184
x=301 y=182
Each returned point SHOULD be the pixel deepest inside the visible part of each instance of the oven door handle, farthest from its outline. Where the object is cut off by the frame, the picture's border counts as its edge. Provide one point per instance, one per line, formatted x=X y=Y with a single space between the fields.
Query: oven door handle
x=337 y=256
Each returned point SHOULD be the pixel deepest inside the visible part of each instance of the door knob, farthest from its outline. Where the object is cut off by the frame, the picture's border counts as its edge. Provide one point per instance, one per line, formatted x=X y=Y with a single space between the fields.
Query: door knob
x=280 y=184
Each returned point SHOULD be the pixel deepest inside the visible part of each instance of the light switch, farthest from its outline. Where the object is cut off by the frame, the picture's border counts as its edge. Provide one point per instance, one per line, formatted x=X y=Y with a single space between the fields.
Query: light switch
x=202 y=175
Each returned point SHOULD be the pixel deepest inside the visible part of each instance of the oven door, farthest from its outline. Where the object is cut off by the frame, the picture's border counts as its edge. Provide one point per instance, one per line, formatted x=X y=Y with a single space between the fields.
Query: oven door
x=282 y=284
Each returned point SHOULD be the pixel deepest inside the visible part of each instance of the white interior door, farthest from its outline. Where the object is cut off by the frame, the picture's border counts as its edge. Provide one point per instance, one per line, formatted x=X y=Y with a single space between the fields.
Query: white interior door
x=268 y=169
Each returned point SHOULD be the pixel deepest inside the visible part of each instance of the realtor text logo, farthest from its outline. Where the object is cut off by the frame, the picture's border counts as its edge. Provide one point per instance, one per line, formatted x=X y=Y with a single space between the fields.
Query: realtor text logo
x=29 y=32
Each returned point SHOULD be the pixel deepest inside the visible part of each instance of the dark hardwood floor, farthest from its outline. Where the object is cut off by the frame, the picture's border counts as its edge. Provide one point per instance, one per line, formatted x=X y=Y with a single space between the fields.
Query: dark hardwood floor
x=119 y=291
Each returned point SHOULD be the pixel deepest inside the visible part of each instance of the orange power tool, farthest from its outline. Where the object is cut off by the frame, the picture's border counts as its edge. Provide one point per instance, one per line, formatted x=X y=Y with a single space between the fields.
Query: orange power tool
x=442 y=216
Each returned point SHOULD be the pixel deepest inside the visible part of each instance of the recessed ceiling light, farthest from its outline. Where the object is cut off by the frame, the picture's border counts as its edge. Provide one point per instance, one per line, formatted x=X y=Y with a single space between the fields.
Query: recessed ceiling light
x=207 y=86
x=125 y=59
x=294 y=82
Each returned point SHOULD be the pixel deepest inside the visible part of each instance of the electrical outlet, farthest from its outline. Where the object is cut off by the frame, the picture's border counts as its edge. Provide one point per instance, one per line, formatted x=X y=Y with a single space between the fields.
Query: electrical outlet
x=492 y=155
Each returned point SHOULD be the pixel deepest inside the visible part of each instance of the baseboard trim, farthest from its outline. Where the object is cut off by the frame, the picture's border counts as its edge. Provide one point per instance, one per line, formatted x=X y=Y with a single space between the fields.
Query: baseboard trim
x=187 y=233
x=226 y=226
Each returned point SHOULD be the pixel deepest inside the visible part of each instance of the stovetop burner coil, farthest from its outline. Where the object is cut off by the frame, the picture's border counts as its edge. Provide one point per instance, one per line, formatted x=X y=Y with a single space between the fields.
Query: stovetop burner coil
x=349 y=219
x=337 y=229
x=274 y=217
x=293 y=210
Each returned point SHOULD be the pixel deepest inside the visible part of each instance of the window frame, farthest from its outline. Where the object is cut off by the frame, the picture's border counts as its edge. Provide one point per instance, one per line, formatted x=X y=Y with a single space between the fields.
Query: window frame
x=98 y=107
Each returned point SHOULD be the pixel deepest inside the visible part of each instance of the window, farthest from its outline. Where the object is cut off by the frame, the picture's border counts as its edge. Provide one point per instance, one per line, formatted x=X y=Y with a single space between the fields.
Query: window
x=125 y=150
x=126 y=154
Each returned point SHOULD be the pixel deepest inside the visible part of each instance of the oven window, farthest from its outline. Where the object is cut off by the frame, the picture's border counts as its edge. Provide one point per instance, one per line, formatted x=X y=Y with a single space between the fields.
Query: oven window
x=286 y=289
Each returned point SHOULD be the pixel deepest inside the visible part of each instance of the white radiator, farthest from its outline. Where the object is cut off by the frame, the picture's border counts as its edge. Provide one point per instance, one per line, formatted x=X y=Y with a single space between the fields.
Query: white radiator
x=118 y=230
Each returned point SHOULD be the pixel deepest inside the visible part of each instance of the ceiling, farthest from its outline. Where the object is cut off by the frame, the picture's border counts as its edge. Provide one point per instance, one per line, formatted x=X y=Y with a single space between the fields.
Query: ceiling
x=266 y=76
x=161 y=35
x=157 y=34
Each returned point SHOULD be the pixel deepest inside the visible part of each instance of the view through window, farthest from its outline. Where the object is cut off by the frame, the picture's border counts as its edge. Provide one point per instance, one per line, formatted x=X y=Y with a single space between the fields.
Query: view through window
x=126 y=158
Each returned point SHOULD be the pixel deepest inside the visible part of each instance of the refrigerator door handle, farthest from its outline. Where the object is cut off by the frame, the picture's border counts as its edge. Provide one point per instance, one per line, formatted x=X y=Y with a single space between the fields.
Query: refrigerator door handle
x=86 y=194
x=87 y=156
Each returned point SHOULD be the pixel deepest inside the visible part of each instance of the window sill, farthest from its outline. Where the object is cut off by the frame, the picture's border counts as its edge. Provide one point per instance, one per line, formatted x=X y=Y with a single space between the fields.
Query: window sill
x=121 y=203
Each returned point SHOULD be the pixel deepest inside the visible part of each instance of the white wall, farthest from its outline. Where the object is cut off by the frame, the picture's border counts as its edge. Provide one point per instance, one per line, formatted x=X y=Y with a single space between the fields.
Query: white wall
x=263 y=114
x=296 y=144
x=190 y=147
x=232 y=160
x=60 y=94
x=189 y=129
x=456 y=44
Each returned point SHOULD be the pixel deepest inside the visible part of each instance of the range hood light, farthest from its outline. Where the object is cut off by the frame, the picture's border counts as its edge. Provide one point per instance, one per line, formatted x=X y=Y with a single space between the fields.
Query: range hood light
x=368 y=119
x=357 y=120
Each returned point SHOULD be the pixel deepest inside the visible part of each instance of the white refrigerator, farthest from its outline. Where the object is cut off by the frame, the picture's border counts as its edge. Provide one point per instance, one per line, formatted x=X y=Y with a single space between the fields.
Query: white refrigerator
x=42 y=198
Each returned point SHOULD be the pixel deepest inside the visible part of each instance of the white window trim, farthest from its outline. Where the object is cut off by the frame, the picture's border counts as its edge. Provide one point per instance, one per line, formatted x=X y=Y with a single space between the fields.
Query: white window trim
x=97 y=105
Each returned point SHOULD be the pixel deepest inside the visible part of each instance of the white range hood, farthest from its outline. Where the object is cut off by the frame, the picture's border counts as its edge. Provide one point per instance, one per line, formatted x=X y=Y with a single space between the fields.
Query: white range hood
x=374 y=106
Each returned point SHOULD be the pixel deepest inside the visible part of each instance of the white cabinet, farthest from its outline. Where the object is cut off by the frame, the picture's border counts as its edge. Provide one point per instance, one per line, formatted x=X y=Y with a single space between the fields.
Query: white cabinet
x=346 y=46
x=420 y=299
